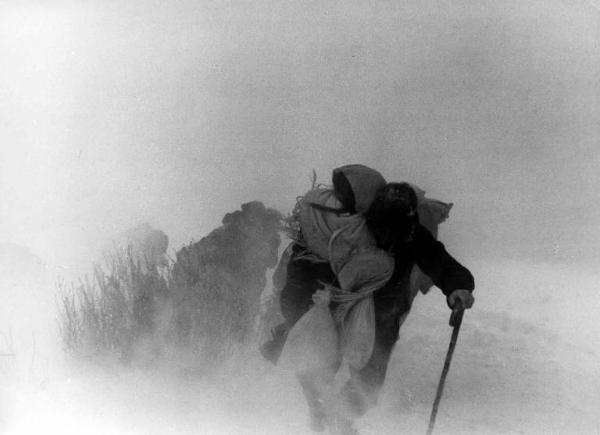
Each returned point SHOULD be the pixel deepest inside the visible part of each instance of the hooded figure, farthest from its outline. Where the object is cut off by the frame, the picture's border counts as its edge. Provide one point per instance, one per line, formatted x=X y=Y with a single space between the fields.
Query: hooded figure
x=335 y=230
x=331 y=219
x=362 y=214
x=355 y=186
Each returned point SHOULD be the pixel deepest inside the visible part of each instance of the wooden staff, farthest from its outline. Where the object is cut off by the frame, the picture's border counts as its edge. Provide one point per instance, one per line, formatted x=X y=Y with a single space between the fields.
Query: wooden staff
x=455 y=321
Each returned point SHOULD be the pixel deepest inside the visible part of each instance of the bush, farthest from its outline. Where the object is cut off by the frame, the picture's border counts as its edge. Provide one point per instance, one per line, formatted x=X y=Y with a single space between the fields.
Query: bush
x=111 y=312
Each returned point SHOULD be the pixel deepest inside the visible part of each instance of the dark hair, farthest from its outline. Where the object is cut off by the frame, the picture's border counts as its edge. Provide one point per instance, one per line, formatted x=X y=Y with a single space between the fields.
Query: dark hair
x=393 y=215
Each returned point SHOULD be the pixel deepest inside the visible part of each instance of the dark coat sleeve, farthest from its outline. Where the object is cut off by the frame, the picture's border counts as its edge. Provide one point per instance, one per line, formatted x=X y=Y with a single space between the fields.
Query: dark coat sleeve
x=433 y=259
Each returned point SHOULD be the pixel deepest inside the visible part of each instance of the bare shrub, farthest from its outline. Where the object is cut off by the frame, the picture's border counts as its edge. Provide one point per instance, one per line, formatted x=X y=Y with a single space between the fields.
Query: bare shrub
x=111 y=311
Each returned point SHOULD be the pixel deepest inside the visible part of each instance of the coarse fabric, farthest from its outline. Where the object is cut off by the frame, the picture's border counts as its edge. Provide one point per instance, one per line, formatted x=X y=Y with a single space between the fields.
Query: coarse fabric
x=337 y=231
x=366 y=272
x=321 y=216
x=313 y=342
x=358 y=333
x=360 y=267
x=323 y=211
x=362 y=180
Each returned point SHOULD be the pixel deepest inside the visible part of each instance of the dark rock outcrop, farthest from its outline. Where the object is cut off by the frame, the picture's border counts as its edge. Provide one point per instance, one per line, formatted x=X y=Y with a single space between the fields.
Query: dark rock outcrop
x=217 y=282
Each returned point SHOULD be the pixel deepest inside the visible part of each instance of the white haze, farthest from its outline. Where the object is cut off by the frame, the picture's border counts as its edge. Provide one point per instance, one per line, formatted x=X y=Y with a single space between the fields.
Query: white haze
x=174 y=113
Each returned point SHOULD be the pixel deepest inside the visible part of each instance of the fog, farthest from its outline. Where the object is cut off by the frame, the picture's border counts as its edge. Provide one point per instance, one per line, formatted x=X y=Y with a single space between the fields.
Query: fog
x=174 y=113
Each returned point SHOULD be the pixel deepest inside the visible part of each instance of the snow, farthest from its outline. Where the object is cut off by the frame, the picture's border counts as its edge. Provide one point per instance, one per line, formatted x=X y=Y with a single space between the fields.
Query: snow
x=526 y=362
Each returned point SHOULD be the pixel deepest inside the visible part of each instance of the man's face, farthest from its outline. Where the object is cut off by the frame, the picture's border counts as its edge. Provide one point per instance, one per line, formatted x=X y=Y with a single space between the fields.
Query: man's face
x=400 y=198
x=402 y=216
x=404 y=227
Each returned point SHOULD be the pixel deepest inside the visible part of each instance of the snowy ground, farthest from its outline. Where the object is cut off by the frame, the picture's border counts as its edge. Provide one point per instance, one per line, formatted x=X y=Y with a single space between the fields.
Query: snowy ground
x=526 y=362
x=527 y=359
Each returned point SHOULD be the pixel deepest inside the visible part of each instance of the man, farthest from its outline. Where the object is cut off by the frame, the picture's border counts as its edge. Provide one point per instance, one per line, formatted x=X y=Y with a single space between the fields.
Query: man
x=393 y=220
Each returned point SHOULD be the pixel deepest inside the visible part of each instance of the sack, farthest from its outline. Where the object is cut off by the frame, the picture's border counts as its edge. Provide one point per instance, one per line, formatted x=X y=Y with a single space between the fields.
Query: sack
x=323 y=211
x=356 y=185
x=313 y=342
x=366 y=271
x=359 y=333
x=317 y=225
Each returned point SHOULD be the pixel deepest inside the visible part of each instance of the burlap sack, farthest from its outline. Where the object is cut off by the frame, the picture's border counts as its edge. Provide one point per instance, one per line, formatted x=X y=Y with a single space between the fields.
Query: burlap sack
x=313 y=342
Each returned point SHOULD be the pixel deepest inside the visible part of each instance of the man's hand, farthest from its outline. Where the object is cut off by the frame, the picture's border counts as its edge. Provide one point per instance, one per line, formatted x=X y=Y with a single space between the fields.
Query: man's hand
x=460 y=299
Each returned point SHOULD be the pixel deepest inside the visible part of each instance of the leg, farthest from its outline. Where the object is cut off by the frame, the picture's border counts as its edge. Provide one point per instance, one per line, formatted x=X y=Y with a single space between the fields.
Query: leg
x=317 y=386
x=303 y=278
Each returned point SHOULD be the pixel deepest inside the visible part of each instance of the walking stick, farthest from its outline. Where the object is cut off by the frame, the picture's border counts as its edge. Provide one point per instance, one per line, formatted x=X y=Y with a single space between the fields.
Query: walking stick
x=455 y=321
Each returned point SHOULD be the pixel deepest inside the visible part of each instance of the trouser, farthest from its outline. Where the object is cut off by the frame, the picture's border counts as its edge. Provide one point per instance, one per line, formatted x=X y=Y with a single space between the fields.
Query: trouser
x=392 y=304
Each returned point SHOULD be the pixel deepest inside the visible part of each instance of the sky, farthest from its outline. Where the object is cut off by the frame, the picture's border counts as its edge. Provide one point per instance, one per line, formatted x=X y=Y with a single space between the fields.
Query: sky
x=174 y=113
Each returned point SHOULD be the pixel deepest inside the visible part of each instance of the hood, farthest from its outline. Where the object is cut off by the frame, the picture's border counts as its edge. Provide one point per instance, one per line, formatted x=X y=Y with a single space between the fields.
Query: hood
x=356 y=185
